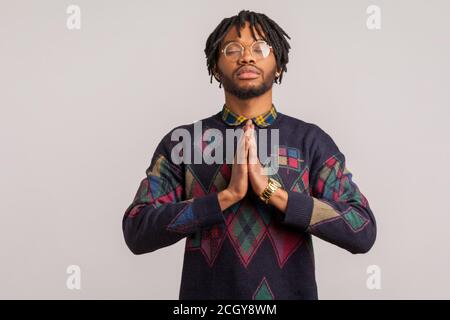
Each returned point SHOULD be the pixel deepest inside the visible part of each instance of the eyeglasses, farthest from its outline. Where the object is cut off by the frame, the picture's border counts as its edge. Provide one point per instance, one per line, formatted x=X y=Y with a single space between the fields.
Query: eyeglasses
x=235 y=50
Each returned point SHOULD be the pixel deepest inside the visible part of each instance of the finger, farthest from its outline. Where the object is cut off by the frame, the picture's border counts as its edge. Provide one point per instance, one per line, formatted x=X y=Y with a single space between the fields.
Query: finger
x=241 y=149
x=239 y=146
x=253 y=152
x=247 y=127
x=247 y=146
x=247 y=124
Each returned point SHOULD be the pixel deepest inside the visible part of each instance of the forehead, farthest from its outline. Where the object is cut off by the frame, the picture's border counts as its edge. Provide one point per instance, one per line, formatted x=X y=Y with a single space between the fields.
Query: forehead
x=246 y=34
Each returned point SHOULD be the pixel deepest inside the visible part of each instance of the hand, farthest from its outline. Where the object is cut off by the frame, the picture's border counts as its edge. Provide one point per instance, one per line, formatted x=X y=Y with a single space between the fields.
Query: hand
x=238 y=186
x=258 y=179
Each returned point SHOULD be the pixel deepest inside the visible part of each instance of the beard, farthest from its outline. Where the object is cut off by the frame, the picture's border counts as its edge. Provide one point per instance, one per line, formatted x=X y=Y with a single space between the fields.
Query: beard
x=248 y=92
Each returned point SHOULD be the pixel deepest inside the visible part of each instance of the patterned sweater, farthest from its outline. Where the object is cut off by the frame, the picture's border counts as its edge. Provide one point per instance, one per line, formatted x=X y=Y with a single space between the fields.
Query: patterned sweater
x=251 y=250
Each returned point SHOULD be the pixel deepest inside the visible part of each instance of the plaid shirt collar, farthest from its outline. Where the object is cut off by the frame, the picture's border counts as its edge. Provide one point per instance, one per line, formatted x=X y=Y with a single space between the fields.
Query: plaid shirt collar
x=263 y=120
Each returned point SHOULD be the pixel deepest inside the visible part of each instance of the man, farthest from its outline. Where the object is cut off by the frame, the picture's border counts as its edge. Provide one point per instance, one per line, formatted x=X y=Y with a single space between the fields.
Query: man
x=248 y=233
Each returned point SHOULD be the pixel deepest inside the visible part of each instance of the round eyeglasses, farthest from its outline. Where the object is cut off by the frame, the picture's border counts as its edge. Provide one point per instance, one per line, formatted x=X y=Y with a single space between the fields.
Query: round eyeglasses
x=235 y=50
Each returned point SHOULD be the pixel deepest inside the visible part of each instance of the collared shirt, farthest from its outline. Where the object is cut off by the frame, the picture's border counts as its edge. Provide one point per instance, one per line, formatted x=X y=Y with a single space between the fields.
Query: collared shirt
x=250 y=250
x=262 y=120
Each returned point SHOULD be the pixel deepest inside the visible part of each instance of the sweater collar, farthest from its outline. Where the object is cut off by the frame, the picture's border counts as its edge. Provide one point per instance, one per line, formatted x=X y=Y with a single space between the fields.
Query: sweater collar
x=262 y=120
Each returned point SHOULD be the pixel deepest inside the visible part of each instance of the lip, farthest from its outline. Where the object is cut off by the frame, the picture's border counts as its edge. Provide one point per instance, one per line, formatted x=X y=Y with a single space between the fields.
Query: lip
x=247 y=73
x=247 y=69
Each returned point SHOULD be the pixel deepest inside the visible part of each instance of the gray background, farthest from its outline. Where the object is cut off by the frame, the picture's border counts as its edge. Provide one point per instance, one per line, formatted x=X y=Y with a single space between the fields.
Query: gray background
x=82 y=112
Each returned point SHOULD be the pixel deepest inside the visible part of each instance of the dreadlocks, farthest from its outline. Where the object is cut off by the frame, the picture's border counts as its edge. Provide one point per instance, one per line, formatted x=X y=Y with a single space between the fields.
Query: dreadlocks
x=274 y=36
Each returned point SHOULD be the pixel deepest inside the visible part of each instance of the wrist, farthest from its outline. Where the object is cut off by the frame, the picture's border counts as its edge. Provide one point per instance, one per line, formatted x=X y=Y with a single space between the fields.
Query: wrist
x=279 y=199
x=234 y=196
x=227 y=198
x=269 y=190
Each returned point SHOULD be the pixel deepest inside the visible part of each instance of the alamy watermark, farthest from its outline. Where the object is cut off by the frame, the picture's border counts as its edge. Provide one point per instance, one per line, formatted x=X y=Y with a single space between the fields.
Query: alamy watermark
x=213 y=153
x=73 y=21
x=73 y=281
x=373 y=282
x=373 y=21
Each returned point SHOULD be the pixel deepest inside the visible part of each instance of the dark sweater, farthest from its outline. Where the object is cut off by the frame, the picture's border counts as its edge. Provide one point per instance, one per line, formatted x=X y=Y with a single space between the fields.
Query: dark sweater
x=250 y=250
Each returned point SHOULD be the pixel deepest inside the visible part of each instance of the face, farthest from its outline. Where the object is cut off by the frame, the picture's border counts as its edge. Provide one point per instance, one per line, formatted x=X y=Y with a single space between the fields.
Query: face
x=244 y=85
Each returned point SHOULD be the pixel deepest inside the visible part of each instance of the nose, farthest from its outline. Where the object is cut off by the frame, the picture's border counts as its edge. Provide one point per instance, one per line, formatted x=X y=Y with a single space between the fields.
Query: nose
x=246 y=56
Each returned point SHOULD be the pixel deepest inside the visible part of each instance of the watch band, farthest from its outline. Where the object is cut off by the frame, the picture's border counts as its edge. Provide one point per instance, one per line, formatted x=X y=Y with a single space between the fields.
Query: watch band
x=271 y=187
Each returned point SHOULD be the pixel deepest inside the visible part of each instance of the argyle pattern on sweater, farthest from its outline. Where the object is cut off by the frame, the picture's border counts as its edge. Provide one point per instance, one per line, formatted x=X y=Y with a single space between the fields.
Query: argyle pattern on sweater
x=251 y=250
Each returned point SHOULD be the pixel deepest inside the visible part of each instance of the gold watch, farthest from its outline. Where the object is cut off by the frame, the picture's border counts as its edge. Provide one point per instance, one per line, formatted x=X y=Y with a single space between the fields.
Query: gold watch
x=272 y=186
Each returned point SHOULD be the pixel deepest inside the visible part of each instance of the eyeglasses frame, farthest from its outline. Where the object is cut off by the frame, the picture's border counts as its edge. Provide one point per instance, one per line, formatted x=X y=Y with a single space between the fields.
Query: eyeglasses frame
x=243 y=48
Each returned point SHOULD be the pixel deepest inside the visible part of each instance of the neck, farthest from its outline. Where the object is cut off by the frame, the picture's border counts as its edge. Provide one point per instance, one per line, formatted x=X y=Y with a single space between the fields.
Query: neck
x=249 y=108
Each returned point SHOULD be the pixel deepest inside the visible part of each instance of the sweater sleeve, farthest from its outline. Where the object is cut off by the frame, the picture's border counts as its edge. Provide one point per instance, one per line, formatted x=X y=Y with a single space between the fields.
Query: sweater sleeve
x=336 y=211
x=159 y=215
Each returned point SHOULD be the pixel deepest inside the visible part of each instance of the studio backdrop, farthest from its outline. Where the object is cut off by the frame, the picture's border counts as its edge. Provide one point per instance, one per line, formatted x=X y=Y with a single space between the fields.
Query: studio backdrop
x=89 y=88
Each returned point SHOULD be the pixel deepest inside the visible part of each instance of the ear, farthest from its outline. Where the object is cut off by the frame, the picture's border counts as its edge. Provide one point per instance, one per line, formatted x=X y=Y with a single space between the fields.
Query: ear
x=277 y=76
x=216 y=73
